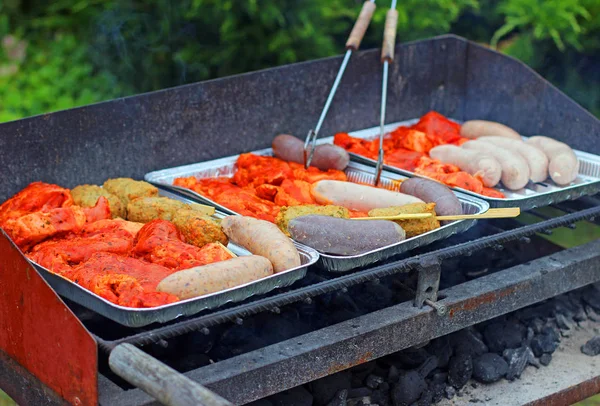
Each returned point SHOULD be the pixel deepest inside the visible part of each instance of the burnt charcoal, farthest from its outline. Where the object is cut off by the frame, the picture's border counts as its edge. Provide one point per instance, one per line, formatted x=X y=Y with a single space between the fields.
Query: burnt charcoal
x=591 y=296
x=380 y=370
x=566 y=333
x=502 y=335
x=356 y=382
x=563 y=322
x=450 y=392
x=530 y=335
x=545 y=359
x=364 y=401
x=517 y=359
x=438 y=389
x=363 y=370
x=468 y=342
x=384 y=386
x=261 y=402
x=326 y=388
x=592 y=314
x=393 y=374
x=381 y=398
x=412 y=357
x=371 y=297
x=409 y=388
x=237 y=340
x=339 y=399
x=426 y=398
x=297 y=396
x=490 y=367
x=563 y=305
x=540 y=311
x=537 y=325
x=359 y=393
x=439 y=377
x=428 y=366
x=442 y=349
x=580 y=315
x=544 y=344
x=554 y=333
x=460 y=370
x=373 y=381
x=592 y=347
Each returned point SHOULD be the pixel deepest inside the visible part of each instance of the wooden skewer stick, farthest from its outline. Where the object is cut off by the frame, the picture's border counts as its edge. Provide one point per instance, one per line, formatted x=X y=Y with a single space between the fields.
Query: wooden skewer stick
x=227 y=249
x=507 y=212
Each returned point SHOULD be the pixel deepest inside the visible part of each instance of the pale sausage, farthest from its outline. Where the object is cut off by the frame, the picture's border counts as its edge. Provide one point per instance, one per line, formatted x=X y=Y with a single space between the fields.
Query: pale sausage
x=515 y=171
x=479 y=128
x=470 y=161
x=358 y=197
x=564 y=165
x=262 y=238
x=332 y=235
x=535 y=157
x=326 y=156
x=211 y=278
x=430 y=191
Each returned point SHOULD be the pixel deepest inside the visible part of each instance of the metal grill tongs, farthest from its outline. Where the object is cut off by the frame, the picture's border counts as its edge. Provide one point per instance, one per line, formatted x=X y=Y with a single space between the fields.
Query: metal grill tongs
x=352 y=44
x=387 y=56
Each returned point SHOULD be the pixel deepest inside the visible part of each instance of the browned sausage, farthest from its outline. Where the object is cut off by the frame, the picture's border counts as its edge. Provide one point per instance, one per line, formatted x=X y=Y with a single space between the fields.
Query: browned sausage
x=430 y=191
x=326 y=156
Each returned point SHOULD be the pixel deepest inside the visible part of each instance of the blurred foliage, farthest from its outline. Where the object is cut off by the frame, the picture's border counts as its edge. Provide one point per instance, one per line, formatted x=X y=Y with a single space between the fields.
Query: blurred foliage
x=74 y=52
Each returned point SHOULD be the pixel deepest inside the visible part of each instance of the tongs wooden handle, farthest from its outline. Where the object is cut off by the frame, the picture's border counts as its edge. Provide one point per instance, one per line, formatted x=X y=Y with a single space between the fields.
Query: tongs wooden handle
x=354 y=39
x=389 y=34
x=387 y=56
x=507 y=212
x=360 y=26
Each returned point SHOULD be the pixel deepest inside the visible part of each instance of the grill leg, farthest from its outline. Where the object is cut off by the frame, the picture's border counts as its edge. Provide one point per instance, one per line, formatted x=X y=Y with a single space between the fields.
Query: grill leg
x=428 y=284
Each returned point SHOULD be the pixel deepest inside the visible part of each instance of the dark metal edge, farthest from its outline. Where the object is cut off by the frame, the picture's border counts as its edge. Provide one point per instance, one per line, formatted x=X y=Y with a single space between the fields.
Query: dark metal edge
x=24 y=388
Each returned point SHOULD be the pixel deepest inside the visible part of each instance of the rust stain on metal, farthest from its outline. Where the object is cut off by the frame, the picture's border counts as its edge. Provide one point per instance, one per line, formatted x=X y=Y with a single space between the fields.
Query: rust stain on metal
x=368 y=356
x=570 y=395
x=487 y=298
x=39 y=332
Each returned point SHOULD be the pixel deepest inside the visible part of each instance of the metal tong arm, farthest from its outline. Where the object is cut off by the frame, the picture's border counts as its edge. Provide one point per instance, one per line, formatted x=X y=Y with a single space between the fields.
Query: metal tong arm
x=354 y=39
x=387 y=56
x=165 y=384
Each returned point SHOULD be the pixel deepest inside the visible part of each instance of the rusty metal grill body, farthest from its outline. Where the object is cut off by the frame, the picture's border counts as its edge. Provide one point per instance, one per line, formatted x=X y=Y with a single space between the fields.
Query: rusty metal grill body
x=133 y=136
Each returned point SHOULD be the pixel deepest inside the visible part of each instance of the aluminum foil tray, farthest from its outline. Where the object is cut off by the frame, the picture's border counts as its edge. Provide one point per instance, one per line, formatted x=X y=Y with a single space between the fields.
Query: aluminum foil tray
x=134 y=317
x=356 y=172
x=533 y=195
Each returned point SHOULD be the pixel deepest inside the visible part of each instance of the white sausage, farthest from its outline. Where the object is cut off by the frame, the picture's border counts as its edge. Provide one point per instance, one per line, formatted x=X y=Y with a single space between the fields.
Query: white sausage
x=358 y=197
x=262 y=238
x=211 y=278
x=469 y=161
x=564 y=165
x=479 y=128
x=535 y=157
x=515 y=171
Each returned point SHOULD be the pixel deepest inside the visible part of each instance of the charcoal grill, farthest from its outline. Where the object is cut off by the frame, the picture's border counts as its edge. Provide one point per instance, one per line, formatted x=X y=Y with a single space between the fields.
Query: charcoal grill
x=55 y=352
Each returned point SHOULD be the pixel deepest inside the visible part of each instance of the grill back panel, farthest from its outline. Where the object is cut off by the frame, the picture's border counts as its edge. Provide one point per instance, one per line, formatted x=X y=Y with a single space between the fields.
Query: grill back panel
x=135 y=135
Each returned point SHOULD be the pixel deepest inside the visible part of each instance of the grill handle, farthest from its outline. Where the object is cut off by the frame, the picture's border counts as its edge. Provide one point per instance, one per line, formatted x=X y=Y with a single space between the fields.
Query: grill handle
x=389 y=35
x=158 y=380
x=361 y=25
